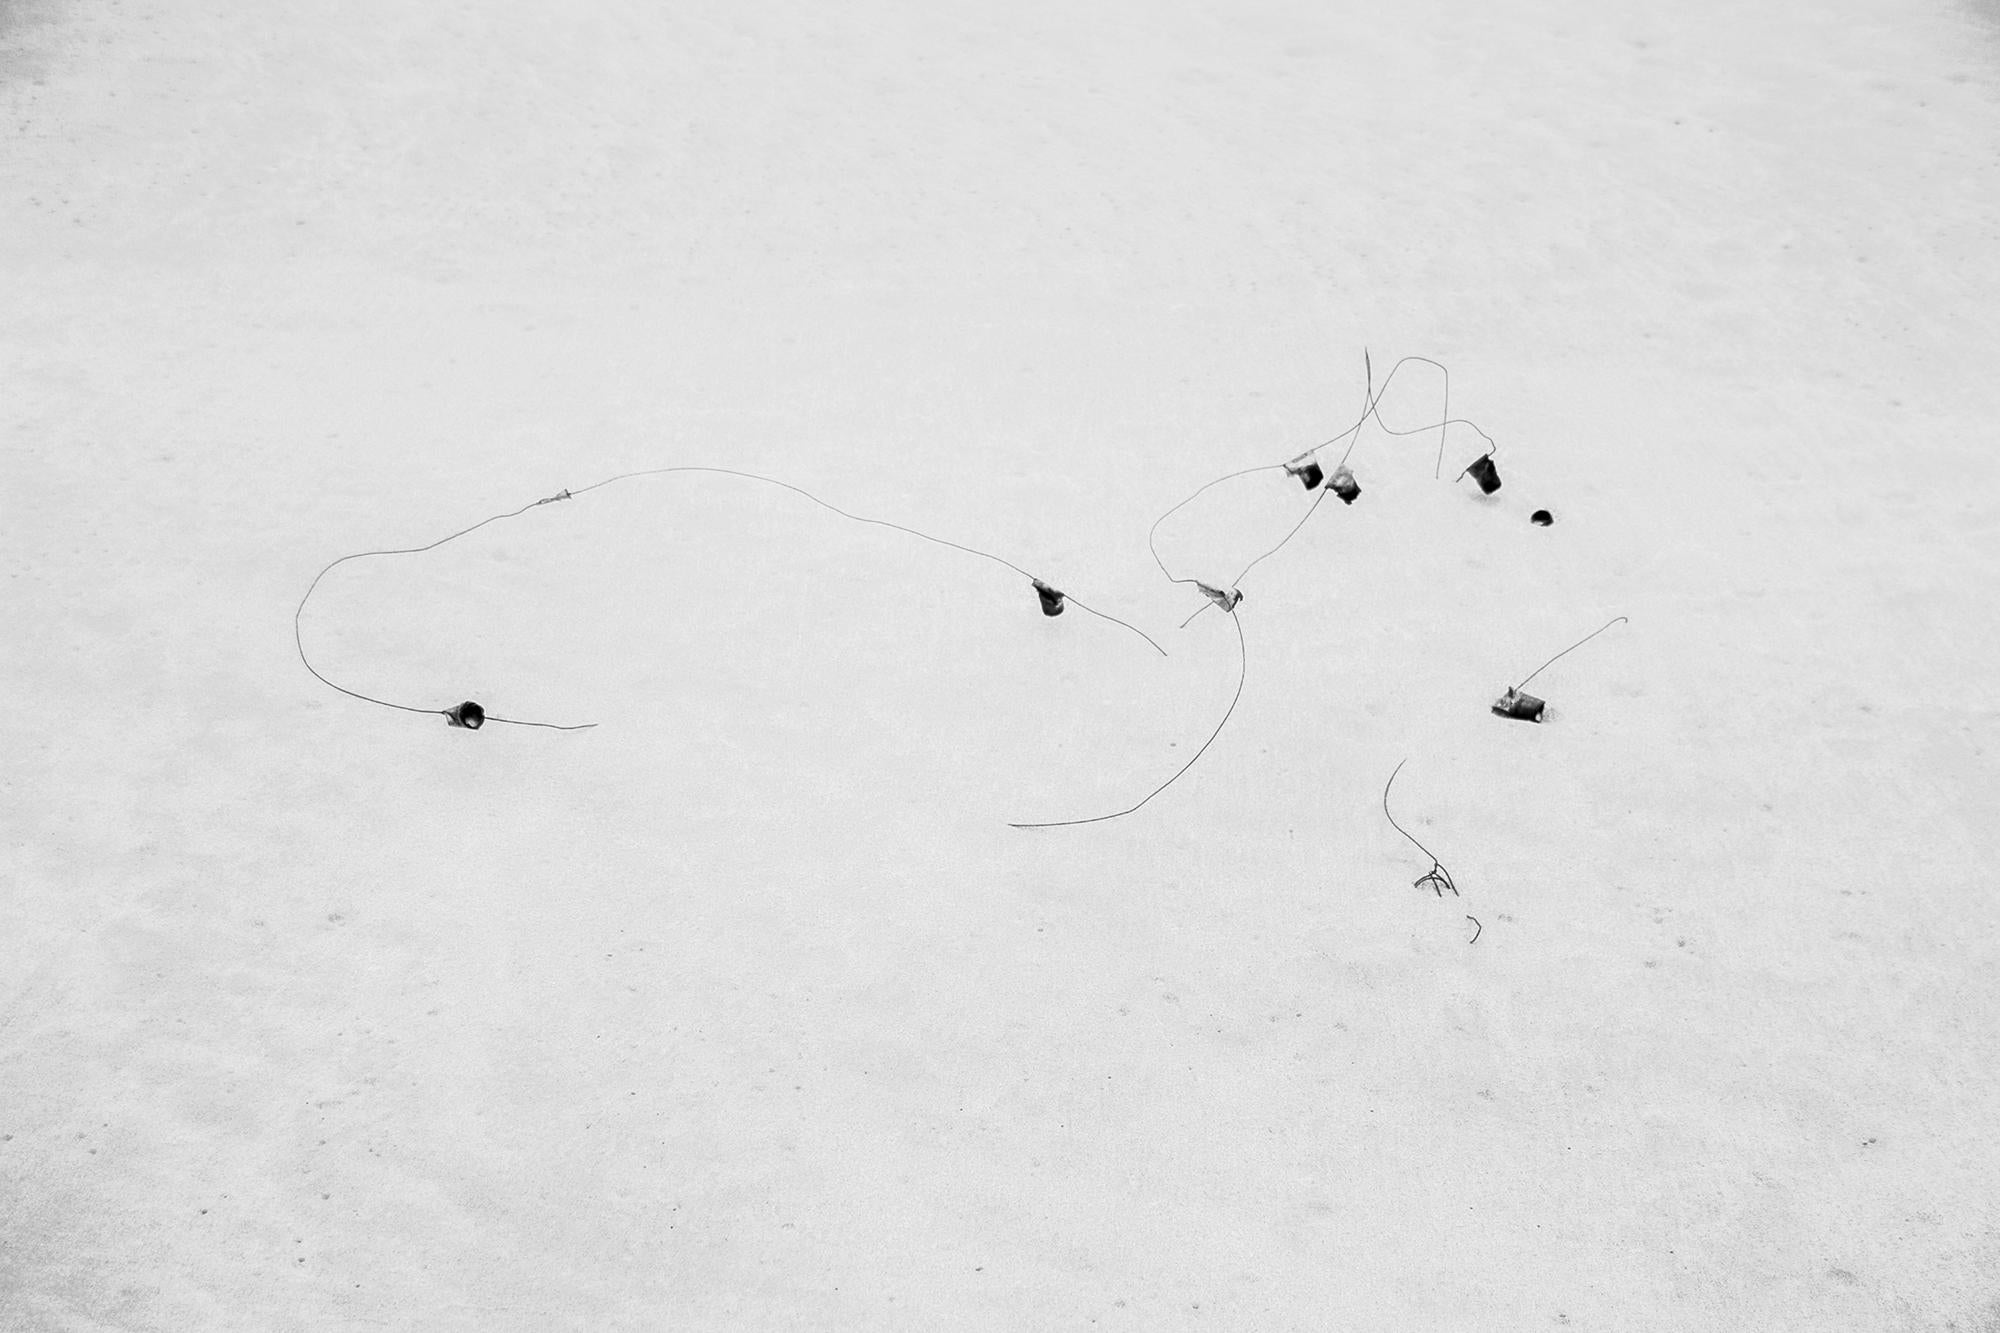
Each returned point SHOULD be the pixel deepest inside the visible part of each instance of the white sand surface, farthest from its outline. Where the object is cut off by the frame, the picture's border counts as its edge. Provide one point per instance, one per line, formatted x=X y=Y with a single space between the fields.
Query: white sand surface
x=747 y=1009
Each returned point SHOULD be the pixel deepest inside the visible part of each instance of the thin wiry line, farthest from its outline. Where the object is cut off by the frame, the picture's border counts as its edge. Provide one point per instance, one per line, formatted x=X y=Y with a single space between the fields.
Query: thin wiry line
x=1371 y=402
x=552 y=726
x=298 y=634
x=1152 y=531
x=1572 y=648
x=1352 y=433
x=1438 y=874
x=1310 y=510
x=298 y=637
x=1083 y=606
x=1369 y=399
x=1444 y=427
x=1371 y=408
x=873 y=522
x=798 y=490
x=1374 y=410
x=1242 y=671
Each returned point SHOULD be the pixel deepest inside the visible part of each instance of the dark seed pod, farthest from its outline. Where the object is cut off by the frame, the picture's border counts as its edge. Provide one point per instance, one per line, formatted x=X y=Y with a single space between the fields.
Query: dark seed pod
x=1513 y=703
x=468 y=715
x=1483 y=472
x=1307 y=472
x=1226 y=600
x=1344 y=485
x=1052 y=601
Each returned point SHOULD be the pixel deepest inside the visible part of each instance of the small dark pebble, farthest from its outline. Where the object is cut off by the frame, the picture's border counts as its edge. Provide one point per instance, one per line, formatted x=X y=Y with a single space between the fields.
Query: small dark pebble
x=1541 y=518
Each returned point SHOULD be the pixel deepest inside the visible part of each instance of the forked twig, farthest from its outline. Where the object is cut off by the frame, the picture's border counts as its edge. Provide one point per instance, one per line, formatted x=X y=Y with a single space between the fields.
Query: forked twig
x=1437 y=878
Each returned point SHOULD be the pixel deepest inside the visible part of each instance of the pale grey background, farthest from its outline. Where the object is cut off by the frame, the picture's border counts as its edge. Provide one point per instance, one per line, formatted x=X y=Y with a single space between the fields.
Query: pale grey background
x=746 y=1010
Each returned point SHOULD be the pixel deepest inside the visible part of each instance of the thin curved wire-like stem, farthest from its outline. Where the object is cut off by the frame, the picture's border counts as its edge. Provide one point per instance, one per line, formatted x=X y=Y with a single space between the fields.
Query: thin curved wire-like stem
x=1084 y=606
x=873 y=522
x=800 y=490
x=1371 y=408
x=1438 y=874
x=298 y=635
x=1310 y=511
x=1242 y=670
x=552 y=726
x=1374 y=410
x=1369 y=401
x=1572 y=648
x=1151 y=532
x=1443 y=427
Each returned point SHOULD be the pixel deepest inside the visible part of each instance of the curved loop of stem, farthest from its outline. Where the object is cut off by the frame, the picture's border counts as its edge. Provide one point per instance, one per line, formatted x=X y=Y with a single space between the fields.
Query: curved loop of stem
x=298 y=636
x=873 y=522
x=1371 y=409
x=1310 y=511
x=1242 y=670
